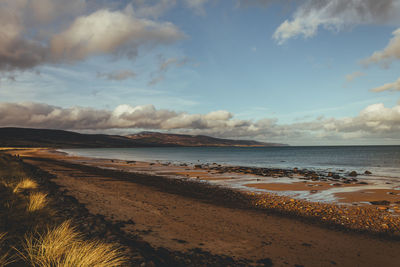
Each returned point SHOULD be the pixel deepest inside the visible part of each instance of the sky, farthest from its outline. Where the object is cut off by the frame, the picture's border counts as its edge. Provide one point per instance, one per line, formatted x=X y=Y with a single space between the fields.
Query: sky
x=300 y=72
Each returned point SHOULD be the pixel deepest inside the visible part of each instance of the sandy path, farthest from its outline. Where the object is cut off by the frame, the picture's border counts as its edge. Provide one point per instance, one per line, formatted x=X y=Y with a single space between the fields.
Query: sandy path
x=180 y=223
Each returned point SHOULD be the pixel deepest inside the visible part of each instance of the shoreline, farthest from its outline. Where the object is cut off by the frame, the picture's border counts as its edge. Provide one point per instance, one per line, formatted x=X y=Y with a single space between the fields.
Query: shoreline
x=303 y=184
x=184 y=215
x=379 y=213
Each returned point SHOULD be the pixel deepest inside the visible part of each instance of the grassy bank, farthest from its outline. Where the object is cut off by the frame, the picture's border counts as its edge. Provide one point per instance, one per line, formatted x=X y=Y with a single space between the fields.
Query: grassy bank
x=30 y=234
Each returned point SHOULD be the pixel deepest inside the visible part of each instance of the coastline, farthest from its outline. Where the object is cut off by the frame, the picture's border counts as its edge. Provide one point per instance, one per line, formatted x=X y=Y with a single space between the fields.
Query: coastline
x=186 y=214
x=303 y=184
x=301 y=193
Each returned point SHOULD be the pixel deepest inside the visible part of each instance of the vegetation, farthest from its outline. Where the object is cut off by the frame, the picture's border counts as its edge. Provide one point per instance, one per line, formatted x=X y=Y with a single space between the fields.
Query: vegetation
x=63 y=246
x=29 y=234
x=25 y=184
x=37 y=201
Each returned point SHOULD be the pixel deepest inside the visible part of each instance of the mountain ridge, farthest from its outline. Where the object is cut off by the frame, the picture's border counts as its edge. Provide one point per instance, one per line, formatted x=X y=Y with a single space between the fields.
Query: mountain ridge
x=195 y=140
x=30 y=137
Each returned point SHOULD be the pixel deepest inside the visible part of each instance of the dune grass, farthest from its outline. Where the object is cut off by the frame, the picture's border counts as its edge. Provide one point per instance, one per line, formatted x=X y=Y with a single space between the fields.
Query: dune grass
x=36 y=201
x=24 y=184
x=34 y=237
x=5 y=258
x=64 y=246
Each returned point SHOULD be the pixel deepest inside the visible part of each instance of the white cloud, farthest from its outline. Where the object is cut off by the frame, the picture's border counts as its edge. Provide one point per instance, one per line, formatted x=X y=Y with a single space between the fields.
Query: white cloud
x=55 y=31
x=123 y=116
x=374 y=122
x=335 y=14
x=106 y=31
x=350 y=77
x=388 y=54
x=394 y=86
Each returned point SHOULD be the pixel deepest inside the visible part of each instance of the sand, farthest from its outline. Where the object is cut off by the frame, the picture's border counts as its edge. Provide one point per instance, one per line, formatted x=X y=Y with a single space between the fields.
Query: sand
x=296 y=186
x=170 y=217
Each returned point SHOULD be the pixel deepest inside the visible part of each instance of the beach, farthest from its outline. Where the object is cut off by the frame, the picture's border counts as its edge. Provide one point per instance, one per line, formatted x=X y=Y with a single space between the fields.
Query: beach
x=190 y=212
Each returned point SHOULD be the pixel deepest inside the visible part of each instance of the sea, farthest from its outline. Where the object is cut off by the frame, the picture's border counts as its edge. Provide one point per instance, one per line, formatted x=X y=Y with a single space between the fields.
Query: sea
x=382 y=161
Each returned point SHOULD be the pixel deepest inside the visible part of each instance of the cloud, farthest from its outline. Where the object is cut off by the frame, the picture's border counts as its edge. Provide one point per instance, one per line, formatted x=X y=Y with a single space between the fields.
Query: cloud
x=350 y=77
x=197 y=6
x=55 y=31
x=335 y=14
x=388 y=54
x=158 y=75
x=123 y=116
x=375 y=121
x=23 y=43
x=394 y=86
x=105 y=31
x=117 y=75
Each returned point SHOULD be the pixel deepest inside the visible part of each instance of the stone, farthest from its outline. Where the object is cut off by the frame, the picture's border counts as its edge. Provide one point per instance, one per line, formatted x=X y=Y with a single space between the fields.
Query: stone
x=353 y=174
x=380 y=202
x=367 y=172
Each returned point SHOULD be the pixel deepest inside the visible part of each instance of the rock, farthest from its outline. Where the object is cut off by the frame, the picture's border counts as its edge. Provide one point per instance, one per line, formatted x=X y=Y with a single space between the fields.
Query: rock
x=353 y=174
x=266 y=262
x=380 y=202
x=367 y=172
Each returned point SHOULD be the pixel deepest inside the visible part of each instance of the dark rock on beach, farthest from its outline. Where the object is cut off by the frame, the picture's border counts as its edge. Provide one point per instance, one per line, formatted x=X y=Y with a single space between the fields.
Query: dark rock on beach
x=353 y=174
x=380 y=202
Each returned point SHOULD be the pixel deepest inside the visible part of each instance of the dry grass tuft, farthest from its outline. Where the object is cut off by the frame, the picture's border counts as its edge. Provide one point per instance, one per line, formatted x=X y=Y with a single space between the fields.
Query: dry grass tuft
x=25 y=184
x=63 y=246
x=4 y=256
x=36 y=201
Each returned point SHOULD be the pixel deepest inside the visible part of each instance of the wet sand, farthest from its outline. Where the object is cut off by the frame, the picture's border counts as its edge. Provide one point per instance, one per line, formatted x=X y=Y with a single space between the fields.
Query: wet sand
x=180 y=216
x=298 y=186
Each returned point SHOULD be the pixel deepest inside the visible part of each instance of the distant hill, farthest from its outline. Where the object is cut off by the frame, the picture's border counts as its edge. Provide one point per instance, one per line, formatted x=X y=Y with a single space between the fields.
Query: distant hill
x=26 y=137
x=193 y=140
